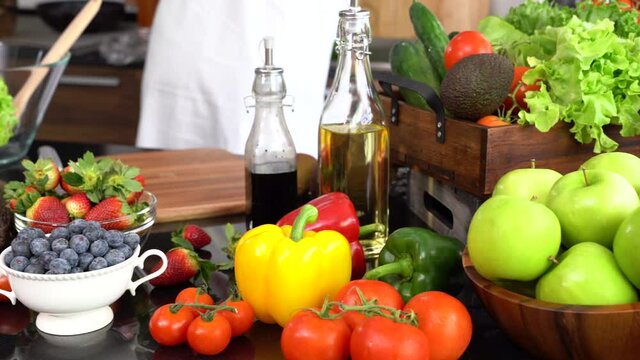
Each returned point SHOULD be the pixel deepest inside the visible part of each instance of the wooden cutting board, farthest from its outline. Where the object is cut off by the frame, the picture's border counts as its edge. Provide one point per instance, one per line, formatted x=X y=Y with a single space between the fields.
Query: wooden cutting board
x=192 y=184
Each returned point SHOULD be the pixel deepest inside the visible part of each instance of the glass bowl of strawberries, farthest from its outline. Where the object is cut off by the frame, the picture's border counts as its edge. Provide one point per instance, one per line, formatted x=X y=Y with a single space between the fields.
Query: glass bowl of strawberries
x=103 y=190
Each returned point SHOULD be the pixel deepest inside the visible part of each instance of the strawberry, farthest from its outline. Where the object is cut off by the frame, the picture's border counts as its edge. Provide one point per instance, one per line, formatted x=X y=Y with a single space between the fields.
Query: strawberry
x=193 y=235
x=108 y=209
x=134 y=196
x=182 y=265
x=87 y=175
x=44 y=174
x=71 y=190
x=20 y=196
x=77 y=205
x=48 y=209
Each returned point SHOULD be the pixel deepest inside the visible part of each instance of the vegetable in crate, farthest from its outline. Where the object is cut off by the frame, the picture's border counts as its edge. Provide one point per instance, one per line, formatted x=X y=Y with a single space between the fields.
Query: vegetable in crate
x=409 y=59
x=432 y=35
x=417 y=259
x=477 y=85
x=281 y=270
x=337 y=212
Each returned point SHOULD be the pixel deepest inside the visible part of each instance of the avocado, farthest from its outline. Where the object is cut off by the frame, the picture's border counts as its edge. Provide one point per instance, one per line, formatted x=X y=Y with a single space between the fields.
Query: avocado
x=476 y=85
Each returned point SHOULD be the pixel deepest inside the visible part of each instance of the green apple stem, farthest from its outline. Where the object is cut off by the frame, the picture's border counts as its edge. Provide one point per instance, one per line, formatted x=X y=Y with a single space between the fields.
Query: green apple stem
x=553 y=260
x=584 y=173
x=534 y=198
x=533 y=163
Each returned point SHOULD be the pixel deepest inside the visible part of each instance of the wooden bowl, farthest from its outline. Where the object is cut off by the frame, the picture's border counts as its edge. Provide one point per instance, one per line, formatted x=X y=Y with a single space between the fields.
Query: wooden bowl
x=556 y=331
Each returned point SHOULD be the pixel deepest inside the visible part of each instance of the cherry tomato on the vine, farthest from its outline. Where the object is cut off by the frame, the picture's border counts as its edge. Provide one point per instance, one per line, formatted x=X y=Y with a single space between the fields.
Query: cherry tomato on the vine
x=242 y=320
x=310 y=337
x=382 y=338
x=519 y=89
x=384 y=293
x=169 y=328
x=209 y=336
x=445 y=321
x=465 y=44
x=193 y=295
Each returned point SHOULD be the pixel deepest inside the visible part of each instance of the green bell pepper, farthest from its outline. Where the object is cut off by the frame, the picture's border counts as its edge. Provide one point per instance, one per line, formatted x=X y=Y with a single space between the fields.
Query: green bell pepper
x=416 y=259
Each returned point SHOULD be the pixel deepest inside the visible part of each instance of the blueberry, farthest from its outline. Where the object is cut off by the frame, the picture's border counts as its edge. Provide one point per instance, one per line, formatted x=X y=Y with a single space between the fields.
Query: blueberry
x=38 y=246
x=69 y=255
x=76 y=270
x=59 y=232
x=34 y=260
x=126 y=250
x=77 y=226
x=114 y=238
x=99 y=248
x=20 y=247
x=84 y=260
x=31 y=233
x=93 y=225
x=59 y=266
x=114 y=256
x=132 y=239
x=98 y=263
x=58 y=245
x=34 y=269
x=46 y=257
x=8 y=257
x=19 y=263
x=92 y=234
x=79 y=243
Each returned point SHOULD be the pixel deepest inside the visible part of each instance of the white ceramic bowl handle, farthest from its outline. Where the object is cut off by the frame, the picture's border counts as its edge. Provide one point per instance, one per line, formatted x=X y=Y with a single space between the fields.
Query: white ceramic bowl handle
x=155 y=274
x=10 y=294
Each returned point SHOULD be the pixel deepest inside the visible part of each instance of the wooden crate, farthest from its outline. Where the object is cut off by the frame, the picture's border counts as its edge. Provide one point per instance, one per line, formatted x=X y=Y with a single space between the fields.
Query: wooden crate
x=474 y=157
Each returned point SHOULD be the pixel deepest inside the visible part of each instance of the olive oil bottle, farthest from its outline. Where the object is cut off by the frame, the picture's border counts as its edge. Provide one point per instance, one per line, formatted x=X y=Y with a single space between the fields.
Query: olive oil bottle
x=354 y=140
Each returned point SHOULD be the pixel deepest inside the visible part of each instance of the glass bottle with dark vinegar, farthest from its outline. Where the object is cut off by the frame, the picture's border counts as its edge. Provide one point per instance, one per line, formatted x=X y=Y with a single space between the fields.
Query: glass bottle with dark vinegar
x=354 y=140
x=270 y=155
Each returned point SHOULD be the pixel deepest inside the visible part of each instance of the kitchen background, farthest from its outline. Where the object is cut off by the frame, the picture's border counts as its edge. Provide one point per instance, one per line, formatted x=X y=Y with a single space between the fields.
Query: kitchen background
x=98 y=100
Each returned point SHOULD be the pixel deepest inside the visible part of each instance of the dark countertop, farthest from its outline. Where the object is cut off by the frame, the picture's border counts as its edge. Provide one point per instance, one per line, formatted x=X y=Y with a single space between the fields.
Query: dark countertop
x=128 y=337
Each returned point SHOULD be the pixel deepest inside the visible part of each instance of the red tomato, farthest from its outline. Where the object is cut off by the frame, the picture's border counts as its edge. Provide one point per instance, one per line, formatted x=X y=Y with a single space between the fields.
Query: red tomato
x=622 y=4
x=445 y=321
x=519 y=89
x=169 y=328
x=464 y=44
x=194 y=295
x=242 y=320
x=492 y=121
x=6 y=286
x=209 y=337
x=309 y=337
x=382 y=338
x=385 y=294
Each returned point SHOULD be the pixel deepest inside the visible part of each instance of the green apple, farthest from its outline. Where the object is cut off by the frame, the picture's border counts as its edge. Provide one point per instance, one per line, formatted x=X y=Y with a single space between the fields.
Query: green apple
x=626 y=247
x=591 y=204
x=531 y=183
x=586 y=274
x=625 y=164
x=511 y=238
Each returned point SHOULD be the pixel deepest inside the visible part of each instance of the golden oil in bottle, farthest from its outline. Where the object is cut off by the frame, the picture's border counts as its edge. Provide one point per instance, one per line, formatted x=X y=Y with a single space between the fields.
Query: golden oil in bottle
x=354 y=160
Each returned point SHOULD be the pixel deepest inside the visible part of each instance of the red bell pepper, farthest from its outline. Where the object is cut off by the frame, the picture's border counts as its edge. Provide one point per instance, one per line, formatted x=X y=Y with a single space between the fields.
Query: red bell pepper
x=336 y=212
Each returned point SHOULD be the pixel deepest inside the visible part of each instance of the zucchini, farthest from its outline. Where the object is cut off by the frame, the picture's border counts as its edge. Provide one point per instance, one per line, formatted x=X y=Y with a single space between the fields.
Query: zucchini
x=408 y=59
x=431 y=33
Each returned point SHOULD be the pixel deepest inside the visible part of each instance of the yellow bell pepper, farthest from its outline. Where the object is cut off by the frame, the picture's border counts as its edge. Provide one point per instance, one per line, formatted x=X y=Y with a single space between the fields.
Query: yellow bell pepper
x=280 y=270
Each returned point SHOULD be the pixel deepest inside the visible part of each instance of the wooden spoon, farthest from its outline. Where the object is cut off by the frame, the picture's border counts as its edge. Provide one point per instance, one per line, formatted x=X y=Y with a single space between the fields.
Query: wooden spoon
x=62 y=45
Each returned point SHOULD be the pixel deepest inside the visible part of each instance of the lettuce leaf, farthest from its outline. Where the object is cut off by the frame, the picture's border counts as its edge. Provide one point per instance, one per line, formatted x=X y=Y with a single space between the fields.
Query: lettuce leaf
x=8 y=118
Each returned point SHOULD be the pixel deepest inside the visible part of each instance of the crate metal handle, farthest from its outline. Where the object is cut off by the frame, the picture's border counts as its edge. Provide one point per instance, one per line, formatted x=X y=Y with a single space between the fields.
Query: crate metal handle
x=387 y=79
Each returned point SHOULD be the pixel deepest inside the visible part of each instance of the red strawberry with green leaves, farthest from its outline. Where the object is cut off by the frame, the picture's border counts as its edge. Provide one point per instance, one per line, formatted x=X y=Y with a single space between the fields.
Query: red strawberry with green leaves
x=44 y=174
x=182 y=265
x=110 y=209
x=134 y=196
x=78 y=205
x=122 y=181
x=48 y=209
x=191 y=236
x=71 y=190
x=87 y=174
x=20 y=196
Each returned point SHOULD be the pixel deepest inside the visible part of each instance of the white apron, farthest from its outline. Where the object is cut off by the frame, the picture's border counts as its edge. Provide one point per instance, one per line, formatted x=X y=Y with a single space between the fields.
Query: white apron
x=200 y=65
